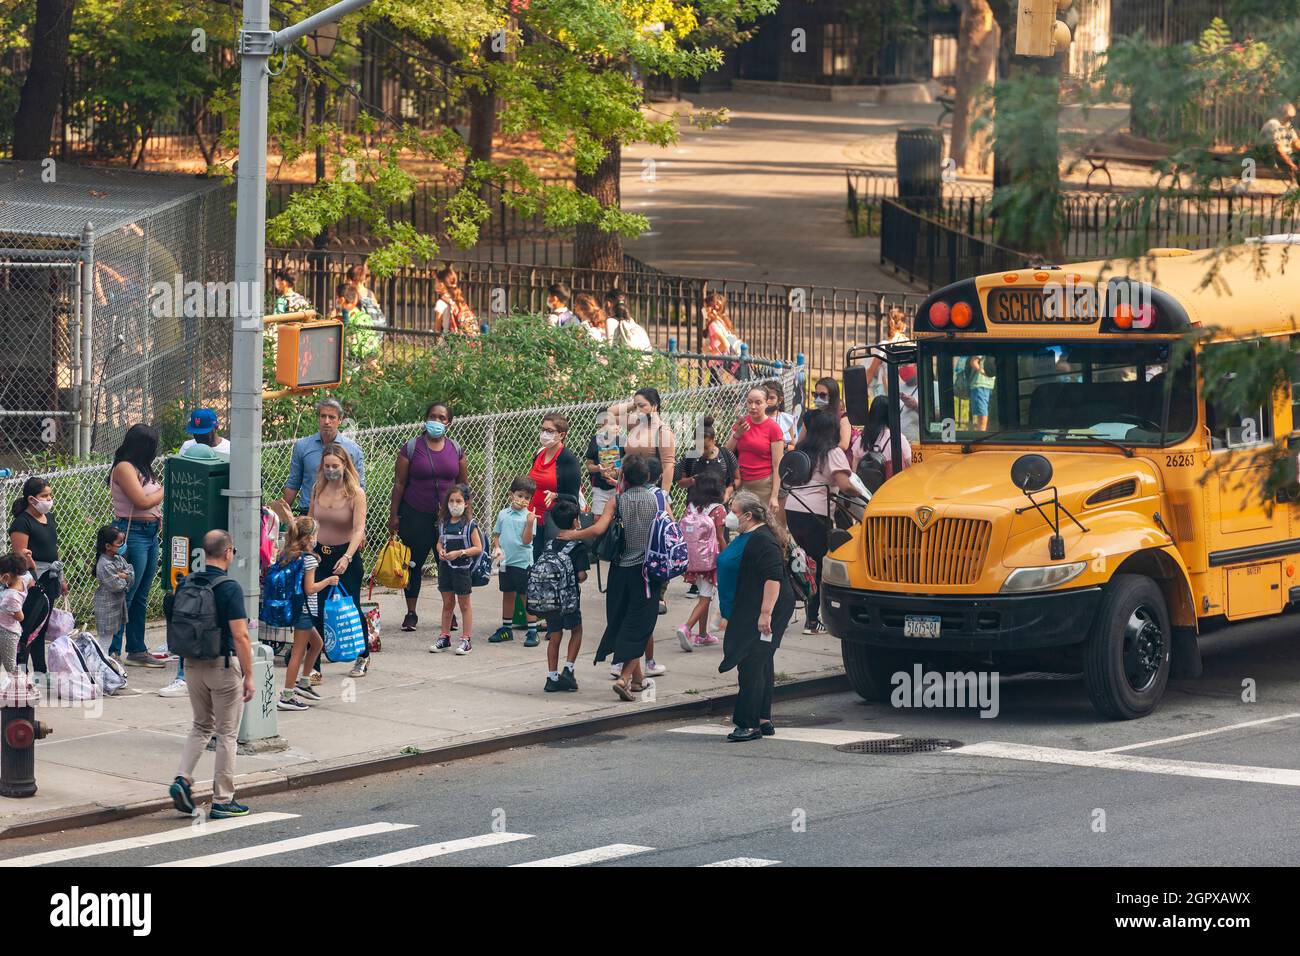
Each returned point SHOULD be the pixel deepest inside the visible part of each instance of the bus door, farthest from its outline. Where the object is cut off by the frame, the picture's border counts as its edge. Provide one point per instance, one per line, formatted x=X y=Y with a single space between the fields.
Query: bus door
x=1246 y=527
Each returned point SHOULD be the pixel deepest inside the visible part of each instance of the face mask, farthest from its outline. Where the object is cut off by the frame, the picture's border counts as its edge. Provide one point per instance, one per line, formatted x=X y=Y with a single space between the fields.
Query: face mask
x=518 y=503
x=771 y=409
x=732 y=521
x=546 y=437
x=333 y=474
x=456 y=510
x=435 y=429
x=43 y=505
x=821 y=402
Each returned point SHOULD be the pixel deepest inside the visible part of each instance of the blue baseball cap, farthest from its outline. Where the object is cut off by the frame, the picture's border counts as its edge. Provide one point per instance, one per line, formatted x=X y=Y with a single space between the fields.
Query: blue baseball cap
x=202 y=421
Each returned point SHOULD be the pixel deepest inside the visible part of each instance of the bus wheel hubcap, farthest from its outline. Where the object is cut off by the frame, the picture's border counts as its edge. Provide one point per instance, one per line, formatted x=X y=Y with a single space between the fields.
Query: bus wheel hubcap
x=1144 y=648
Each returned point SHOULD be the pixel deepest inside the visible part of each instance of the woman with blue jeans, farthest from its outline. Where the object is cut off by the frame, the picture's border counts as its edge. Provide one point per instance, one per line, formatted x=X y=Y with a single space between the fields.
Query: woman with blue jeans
x=137 y=512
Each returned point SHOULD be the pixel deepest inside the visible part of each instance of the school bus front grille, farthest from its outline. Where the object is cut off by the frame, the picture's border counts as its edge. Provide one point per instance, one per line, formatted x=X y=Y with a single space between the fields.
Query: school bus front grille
x=948 y=551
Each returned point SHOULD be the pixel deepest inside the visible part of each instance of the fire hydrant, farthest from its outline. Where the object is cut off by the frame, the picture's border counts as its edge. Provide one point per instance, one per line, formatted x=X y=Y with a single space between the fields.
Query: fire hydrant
x=19 y=731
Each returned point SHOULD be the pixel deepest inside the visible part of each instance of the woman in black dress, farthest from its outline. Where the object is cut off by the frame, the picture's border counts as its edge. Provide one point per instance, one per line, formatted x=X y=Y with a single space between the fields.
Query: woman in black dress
x=630 y=612
x=757 y=601
x=34 y=537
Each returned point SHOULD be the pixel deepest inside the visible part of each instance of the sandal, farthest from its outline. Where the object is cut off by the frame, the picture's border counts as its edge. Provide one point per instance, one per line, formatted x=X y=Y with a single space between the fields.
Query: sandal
x=622 y=691
x=641 y=687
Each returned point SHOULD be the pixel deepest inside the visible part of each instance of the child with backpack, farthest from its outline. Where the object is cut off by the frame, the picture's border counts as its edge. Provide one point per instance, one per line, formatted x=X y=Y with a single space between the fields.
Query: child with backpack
x=13 y=592
x=512 y=543
x=460 y=545
x=553 y=592
x=115 y=576
x=703 y=528
x=291 y=584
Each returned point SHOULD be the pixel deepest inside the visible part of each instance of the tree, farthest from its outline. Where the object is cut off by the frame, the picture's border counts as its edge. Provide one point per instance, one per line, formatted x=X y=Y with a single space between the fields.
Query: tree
x=977 y=60
x=43 y=87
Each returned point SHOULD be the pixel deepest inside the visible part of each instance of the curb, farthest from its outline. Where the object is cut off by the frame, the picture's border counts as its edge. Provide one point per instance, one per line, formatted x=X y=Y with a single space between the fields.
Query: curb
x=701 y=707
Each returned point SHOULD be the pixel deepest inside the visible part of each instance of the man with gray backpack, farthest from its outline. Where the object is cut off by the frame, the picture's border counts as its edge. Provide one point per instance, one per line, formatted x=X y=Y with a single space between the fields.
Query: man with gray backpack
x=207 y=626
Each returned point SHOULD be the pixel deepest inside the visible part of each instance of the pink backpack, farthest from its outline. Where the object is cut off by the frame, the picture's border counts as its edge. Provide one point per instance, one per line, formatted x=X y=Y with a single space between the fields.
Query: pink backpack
x=270 y=529
x=701 y=539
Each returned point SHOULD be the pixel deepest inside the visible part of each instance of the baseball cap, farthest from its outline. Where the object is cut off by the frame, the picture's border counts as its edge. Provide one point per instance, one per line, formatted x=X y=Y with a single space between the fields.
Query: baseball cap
x=202 y=421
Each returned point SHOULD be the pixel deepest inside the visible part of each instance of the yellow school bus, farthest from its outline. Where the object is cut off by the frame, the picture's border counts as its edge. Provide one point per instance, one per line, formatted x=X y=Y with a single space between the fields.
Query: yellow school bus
x=1097 y=515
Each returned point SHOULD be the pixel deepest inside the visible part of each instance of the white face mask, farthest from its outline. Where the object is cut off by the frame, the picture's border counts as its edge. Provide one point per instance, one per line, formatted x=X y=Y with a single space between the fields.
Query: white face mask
x=333 y=474
x=546 y=437
x=732 y=521
x=43 y=505
x=456 y=510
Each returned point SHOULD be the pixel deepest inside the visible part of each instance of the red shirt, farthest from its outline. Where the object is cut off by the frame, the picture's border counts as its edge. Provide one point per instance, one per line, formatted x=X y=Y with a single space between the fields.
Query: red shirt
x=754 y=449
x=543 y=472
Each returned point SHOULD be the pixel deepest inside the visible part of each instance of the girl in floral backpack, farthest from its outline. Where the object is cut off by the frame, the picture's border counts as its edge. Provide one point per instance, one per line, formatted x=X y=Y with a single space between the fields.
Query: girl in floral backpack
x=702 y=527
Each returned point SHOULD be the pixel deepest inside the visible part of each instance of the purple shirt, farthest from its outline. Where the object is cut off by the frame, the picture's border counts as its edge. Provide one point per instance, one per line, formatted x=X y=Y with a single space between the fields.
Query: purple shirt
x=431 y=474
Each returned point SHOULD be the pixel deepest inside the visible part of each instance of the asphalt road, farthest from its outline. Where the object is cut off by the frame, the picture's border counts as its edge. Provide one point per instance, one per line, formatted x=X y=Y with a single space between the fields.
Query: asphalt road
x=1030 y=786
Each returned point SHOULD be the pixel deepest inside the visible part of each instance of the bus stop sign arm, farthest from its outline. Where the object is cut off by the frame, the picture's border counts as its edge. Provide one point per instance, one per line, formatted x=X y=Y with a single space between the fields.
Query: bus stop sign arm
x=257 y=43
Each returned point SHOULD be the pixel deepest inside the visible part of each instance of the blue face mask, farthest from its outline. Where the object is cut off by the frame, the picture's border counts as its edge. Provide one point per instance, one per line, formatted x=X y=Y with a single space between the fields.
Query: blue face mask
x=435 y=429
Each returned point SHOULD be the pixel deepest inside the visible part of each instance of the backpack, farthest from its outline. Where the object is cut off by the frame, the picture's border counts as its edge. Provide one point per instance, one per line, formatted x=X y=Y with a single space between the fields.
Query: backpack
x=630 y=335
x=412 y=445
x=666 y=553
x=282 y=593
x=552 y=583
x=480 y=572
x=69 y=676
x=701 y=539
x=270 y=529
x=193 y=629
x=106 y=672
x=802 y=574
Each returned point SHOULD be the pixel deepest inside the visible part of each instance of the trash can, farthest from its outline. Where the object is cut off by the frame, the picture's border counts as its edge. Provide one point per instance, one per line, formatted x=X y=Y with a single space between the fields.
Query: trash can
x=193 y=504
x=918 y=152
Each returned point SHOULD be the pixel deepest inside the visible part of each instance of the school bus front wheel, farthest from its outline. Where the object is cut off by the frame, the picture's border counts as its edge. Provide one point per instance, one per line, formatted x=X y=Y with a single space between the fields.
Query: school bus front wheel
x=1127 y=656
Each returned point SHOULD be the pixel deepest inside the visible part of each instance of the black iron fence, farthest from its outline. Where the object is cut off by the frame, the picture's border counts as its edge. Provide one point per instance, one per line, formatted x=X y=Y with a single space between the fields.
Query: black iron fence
x=927 y=249
x=774 y=319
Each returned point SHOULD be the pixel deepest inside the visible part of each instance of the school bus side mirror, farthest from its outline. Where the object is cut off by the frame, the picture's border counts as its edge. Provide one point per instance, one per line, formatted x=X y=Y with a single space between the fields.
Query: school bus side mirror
x=857 y=394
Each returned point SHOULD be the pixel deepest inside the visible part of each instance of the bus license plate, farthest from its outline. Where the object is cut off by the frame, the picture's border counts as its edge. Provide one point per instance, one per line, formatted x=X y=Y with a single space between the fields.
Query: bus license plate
x=915 y=626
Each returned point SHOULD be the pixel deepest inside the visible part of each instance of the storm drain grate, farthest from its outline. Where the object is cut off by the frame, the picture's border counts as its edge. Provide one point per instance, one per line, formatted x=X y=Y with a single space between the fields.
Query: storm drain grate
x=899 y=745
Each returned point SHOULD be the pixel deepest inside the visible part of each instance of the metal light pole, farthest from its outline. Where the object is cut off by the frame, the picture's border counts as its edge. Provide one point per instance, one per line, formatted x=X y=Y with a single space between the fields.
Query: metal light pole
x=257 y=43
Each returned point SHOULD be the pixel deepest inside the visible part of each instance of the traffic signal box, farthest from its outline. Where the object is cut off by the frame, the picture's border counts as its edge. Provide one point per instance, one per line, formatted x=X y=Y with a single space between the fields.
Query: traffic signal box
x=193 y=504
x=309 y=354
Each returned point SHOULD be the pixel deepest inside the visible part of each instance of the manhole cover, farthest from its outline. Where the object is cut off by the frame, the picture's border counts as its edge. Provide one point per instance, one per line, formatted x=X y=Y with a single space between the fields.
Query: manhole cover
x=588 y=741
x=899 y=745
x=804 y=720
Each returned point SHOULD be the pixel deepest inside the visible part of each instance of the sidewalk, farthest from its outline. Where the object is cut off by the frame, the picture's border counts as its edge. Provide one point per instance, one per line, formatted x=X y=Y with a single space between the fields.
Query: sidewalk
x=127 y=752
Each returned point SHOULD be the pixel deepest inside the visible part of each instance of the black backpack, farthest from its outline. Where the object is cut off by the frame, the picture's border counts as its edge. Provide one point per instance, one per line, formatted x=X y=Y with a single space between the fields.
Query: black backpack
x=193 y=629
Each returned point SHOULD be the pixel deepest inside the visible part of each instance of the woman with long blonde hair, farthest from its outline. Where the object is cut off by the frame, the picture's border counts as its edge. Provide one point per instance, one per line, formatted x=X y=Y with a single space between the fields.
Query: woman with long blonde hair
x=299 y=544
x=593 y=316
x=338 y=503
x=459 y=316
x=720 y=338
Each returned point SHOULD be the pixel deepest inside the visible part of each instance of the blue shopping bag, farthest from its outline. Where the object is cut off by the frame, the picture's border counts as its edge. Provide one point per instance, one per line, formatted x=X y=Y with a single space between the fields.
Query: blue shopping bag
x=345 y=639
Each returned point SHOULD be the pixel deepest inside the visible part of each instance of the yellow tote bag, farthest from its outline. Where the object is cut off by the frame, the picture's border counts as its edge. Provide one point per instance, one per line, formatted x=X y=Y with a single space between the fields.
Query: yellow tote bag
x=393 y=568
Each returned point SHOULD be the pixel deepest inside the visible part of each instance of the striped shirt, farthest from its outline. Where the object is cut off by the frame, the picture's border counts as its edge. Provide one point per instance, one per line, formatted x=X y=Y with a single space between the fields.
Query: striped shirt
x=637 y=508
x=310 y=562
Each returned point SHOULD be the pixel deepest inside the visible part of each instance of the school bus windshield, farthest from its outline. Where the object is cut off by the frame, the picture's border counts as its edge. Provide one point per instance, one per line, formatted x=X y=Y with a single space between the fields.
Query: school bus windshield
x=1047 y=393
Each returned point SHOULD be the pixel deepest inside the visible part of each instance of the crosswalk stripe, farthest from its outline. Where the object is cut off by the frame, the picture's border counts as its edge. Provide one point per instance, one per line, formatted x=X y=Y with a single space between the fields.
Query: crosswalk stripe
x=288 y=846
x=744 y=861
x=431 y=850
x=804 y=735
x=596 y=855
x=187 y=832
x=1199 y=733
x=1114 y=761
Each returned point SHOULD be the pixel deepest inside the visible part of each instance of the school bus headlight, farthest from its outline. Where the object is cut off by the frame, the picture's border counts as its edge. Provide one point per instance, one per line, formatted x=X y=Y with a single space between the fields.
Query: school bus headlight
x=835 y=572
x=1040 y=579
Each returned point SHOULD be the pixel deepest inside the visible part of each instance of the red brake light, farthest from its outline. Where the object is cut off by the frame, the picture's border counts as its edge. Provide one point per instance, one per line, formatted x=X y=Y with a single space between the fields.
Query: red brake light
x=939 y=315
x=961 y=315
x=1124 y=316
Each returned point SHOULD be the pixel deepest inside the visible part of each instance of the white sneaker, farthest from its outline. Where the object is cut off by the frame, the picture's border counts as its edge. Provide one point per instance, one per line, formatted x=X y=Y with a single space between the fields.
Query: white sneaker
x=652 y=669
x=177 y=688
x=616 y=671
x=464 y=647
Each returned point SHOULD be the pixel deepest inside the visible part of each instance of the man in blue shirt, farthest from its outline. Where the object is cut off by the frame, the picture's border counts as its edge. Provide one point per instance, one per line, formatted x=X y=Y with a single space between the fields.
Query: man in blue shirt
x=307 y=454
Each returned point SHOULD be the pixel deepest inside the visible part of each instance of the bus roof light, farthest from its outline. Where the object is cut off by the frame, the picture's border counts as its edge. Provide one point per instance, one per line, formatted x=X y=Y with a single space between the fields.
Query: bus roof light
x=939 y=315
x=962 y=314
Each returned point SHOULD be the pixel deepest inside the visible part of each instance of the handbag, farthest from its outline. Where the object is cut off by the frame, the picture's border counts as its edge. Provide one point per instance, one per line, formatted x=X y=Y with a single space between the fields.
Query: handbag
x=393 y=568
x=611 y=543
x=345 y=638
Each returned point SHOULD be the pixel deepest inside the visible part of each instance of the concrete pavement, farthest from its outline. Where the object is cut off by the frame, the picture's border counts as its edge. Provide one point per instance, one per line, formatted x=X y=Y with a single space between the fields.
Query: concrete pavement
x=123 y=750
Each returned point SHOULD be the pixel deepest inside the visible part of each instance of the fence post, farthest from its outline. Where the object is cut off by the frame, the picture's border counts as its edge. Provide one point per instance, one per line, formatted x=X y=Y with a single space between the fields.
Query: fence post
x=85 y=423
x=490 y=452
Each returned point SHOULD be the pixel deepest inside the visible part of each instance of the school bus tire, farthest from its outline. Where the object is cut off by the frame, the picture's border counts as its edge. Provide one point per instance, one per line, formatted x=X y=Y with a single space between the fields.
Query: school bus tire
x=1126 y=658
x=869 y=669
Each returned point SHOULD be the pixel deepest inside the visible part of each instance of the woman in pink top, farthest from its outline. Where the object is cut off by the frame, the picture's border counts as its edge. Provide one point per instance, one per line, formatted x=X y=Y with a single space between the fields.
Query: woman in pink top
x=137 y=512
x=758 y=443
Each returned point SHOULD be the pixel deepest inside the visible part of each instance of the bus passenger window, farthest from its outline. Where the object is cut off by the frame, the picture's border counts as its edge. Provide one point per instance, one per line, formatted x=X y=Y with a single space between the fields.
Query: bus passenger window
x=1234 y=428
x=1295 y=385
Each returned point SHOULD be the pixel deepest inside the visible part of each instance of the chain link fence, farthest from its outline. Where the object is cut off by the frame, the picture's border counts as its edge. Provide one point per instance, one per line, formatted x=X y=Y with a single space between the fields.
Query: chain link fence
x=498 y=448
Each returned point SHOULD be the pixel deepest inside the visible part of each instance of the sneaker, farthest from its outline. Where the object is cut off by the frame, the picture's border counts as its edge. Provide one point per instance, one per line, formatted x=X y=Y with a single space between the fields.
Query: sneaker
x=177 y=688
x=289 y=702
x=684 y=638
x=304 y=690
x=440 y=645
x=315 y=678
x=162 y=653
x=144 y=659
x=223 y=811
x=360 y=667
x=567 y=680
x=663 y=608
x=814 y=627
x=651 y=669
x=182 y=796
x=500 y=635
x=705 y=640
x=530 y=639
x=616 y=671
x=464 y=647
x=554 y=685
x=693 y=591
x=409 y=622
x=455 y=623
